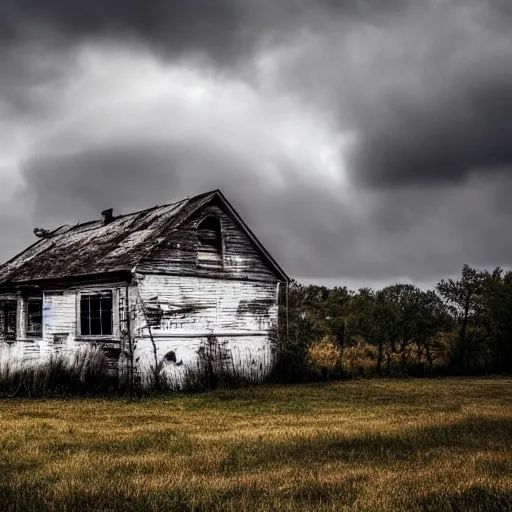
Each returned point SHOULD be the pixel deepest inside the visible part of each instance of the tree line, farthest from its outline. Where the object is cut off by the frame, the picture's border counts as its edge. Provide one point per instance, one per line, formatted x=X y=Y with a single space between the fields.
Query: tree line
x=461 y=327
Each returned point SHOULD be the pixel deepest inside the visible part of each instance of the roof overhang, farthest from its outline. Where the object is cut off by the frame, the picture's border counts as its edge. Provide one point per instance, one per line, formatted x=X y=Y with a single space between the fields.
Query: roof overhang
x=124 y=275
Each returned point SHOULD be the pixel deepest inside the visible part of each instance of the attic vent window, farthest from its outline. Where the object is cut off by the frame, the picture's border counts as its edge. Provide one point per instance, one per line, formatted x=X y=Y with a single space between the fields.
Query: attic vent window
x=209 y=235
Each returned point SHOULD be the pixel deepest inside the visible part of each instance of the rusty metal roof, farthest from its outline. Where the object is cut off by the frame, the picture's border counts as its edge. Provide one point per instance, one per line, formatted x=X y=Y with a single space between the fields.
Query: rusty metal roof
x=95 y=247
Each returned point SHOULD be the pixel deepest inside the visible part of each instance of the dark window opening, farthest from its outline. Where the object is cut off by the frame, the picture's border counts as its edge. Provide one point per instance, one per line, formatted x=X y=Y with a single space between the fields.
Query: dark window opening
x=96 y=314
x=170 y=356
x=8 y=318
x=210 y=242
x=35 y=317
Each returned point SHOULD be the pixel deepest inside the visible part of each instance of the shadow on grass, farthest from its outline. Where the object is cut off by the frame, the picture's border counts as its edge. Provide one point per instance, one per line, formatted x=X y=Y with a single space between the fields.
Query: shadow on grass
x=168 y=441
x=377 y=450
x=311 y=496
x=116 y=489
x=475 y=499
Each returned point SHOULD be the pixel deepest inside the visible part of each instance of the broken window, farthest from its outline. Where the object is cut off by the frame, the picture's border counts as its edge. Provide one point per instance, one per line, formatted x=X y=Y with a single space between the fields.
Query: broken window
x=96 y=313
x=35 y=317
x=209 y=236
x=8 y=318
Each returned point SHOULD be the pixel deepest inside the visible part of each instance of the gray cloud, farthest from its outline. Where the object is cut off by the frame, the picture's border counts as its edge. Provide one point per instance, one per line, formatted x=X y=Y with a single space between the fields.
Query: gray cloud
x=222 y=31
x=36 y=39
x=215 y=27
x=76 y=187
x=225 y=32
x=416 y=234
x=30 y=76
x=178 y=23
x=455 y=130
x=427 y=92
x=422 y=88
x=128 y=176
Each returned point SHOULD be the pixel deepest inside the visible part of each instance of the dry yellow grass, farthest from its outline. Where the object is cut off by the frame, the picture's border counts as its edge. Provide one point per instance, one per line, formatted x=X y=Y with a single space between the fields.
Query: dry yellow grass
x=369 y=445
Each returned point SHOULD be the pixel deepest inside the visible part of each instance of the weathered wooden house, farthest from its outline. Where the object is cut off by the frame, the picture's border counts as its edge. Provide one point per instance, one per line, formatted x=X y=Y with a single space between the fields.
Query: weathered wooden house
x=167 y=280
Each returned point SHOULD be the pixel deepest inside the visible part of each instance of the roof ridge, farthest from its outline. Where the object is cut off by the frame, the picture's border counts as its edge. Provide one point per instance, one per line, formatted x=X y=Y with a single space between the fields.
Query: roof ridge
x=123 y=215
x=188 y=198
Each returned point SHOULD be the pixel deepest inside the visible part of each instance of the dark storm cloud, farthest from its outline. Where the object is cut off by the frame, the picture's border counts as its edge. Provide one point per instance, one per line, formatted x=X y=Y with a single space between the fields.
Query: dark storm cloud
x=426 y=92
x=449 y=133
x=37 y=37
x=452 y=121
x=424 y=87
x=221 y=29
x=307 y=226
x=176 y=25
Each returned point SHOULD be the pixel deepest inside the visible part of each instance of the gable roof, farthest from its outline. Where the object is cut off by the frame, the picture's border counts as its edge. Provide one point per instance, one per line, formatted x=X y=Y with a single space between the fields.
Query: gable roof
x=96 y=248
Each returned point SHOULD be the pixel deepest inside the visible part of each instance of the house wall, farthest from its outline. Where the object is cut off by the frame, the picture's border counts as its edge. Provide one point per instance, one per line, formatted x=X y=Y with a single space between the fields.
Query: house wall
x=167 y=314
x=185 y=307
x=178 y=254
x=60 y=333
x=182 y=316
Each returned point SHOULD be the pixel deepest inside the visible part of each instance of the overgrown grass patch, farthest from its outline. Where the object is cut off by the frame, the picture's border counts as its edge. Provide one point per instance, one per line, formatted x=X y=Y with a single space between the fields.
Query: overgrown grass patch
x=83 y=373
x=432 y=444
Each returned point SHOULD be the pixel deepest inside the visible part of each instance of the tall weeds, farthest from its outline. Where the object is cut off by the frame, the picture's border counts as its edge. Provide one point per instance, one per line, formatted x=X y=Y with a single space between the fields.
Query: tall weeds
x=83 y=373
x=216 y=367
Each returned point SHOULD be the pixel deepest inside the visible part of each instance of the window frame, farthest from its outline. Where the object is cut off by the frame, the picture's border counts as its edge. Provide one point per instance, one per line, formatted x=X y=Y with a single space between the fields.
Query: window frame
x=29 y=333
x=95 y=291
x=9 y=336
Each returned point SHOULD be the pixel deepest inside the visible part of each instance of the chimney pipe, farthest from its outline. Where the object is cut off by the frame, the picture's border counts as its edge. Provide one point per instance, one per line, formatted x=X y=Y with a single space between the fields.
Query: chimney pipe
x=108 y=215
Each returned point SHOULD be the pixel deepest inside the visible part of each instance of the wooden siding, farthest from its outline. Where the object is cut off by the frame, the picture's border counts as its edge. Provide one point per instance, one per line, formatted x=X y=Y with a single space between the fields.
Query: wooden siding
x=167 y=314
x=181 y=314
x=60 y=334
x=195 y=305
x=59 y=315
x=251 y=356
x=184 y=304
x=178 y=254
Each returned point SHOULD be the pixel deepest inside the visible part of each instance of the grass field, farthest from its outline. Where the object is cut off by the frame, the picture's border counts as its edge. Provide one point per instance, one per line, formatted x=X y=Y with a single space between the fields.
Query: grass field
x=369 y=445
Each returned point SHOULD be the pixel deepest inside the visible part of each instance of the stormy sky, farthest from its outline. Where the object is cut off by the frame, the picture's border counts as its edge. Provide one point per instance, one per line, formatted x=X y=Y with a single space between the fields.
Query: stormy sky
x=364 y=142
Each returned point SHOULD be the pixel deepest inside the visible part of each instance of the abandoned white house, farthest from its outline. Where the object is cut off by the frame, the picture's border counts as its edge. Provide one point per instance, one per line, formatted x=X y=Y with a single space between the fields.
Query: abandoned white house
x=168 y=279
